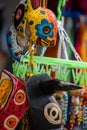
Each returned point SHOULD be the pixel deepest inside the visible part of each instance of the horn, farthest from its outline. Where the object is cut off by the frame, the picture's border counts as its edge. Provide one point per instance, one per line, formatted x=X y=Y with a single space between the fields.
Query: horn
x=55 y=85
x=33 y=4
x=43 y=3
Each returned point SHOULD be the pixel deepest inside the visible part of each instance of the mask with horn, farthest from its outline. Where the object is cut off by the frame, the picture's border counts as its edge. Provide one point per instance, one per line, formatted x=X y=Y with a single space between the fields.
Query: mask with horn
x=33 y=24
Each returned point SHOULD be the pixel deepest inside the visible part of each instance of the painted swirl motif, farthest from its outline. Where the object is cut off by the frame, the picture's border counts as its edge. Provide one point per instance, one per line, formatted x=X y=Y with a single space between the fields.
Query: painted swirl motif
x=53 y=114
x=11 y=122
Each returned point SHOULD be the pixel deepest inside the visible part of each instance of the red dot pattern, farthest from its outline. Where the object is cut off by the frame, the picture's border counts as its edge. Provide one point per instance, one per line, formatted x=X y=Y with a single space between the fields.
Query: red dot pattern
x=11 y=108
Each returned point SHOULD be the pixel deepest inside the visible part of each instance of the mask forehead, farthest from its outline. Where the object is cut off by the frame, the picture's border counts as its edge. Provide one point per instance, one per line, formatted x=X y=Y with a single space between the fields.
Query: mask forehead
x=34 y=18
x=38 y=20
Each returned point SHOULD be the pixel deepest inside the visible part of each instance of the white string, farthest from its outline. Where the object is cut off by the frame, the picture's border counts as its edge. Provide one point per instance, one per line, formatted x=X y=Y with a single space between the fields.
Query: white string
x=61 y=44
x=62 y=40
x=65 y=38
x=43 y=51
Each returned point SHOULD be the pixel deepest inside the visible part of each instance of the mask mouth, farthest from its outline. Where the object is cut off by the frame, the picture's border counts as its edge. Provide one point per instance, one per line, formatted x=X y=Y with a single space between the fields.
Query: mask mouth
x=45 y=42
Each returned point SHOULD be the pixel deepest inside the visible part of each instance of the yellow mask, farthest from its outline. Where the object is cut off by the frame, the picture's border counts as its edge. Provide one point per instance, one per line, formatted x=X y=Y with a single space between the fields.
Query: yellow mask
x=33 y=23
x=40 y=21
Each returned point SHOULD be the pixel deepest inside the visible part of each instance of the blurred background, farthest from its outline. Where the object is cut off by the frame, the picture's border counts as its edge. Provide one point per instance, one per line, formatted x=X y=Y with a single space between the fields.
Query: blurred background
x=7 y=8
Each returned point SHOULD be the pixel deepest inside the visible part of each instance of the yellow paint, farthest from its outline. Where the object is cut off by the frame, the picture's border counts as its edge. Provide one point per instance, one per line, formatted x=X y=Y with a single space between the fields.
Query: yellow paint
x=5 y=90
x=36 y=16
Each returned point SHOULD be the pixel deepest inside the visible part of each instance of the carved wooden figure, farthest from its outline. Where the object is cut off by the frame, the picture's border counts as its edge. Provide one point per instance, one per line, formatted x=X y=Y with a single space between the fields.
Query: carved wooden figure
x=46 y=113
x=33 y=24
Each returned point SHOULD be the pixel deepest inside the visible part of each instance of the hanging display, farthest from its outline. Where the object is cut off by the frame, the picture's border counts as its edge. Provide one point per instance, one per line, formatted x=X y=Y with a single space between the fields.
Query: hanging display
x=43 y=102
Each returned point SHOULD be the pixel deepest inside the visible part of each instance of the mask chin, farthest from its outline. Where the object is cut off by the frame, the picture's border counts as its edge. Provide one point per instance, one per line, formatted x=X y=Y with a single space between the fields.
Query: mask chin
x=45 y=42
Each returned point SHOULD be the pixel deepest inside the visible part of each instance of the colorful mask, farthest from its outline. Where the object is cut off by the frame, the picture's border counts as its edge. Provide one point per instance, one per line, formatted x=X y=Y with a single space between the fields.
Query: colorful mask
x=33 y=23
x=13 y=101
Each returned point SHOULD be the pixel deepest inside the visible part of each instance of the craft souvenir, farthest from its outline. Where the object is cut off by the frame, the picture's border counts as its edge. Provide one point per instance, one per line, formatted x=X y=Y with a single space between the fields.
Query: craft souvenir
x=13 y=101
x=62 y=99
x=78 y=109
x=75 y=109
x=33 y=25
x=83 y=94
x=46 y=113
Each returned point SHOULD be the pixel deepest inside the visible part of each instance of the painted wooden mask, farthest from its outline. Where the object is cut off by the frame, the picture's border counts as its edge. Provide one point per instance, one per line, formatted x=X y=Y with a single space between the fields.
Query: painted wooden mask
x=32 y=23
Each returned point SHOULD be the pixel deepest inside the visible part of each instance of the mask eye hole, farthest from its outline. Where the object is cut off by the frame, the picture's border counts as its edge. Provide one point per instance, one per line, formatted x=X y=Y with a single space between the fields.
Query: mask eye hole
x=46 y=30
